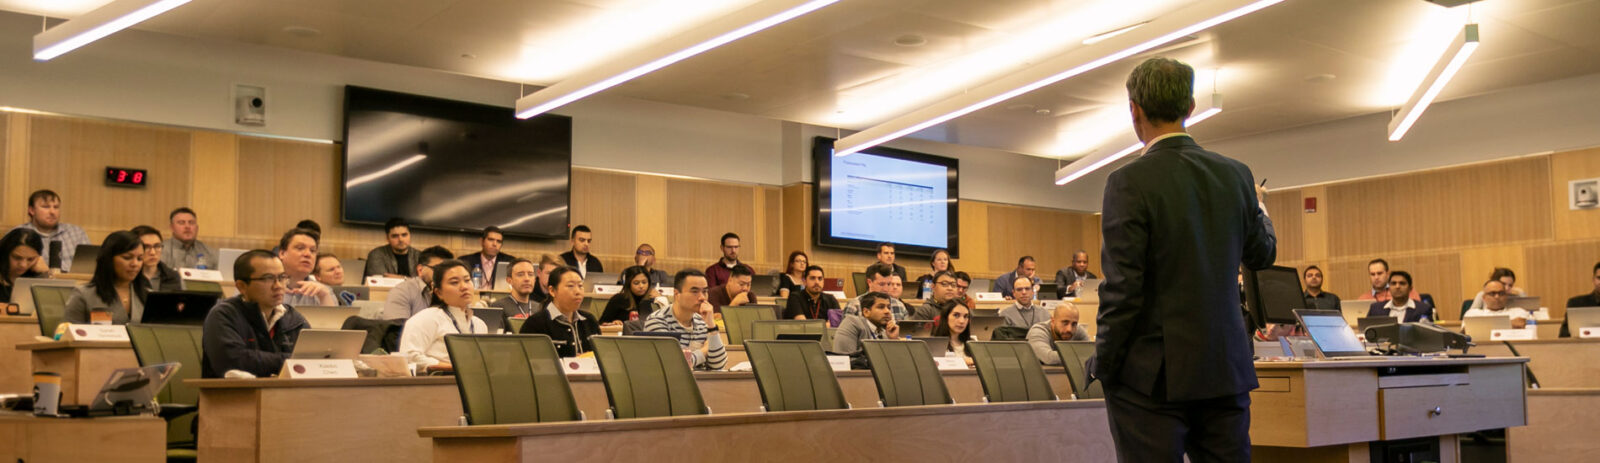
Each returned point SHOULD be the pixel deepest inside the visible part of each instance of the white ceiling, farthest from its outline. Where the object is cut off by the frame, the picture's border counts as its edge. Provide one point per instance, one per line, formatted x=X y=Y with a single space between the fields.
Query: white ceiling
x=1298 y=63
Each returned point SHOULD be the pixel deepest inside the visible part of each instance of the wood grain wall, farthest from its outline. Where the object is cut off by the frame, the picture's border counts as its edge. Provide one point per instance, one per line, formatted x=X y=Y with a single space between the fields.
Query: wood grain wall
x=1449 y=228
x=248 y=190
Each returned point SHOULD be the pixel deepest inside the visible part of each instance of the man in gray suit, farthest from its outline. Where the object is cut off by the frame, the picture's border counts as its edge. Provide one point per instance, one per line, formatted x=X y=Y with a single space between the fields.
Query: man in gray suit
x=1172 y=348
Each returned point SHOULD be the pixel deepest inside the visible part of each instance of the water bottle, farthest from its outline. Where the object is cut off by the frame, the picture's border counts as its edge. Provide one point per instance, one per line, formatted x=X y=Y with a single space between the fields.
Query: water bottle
x=927 y=288
x=477 y=277
x=200 y=261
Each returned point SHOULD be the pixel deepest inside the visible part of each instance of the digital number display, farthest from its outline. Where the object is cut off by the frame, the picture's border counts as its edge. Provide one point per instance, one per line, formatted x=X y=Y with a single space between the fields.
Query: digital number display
x=125 y=177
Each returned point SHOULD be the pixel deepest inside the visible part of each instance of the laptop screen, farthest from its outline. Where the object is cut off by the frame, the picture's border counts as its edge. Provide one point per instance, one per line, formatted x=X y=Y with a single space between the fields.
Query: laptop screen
x=1328 y=329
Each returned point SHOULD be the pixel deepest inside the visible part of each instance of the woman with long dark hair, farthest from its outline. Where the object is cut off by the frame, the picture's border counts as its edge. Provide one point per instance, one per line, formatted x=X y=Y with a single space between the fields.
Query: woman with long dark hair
x=21 y=248
x=955 y=324
x=115 y=294
x=793 y=279
x=638 y=296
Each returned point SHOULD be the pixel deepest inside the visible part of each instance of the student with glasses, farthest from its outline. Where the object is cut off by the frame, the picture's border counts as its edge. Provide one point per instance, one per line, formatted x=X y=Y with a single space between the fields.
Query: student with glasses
x=1494 y=296
x=645 y=256
x=561 y=320
x=415 y=294
x=115 y=295
x=159 y=275
x=422 y=339
x=255 y=331
x=945 y=289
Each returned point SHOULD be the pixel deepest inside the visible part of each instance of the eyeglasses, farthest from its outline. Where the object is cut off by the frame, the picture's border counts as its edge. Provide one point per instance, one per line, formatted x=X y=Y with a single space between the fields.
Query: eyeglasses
x=644 y=252
x=947 y=284
x=1494 y=294
x=282 y=279
x=150 y=247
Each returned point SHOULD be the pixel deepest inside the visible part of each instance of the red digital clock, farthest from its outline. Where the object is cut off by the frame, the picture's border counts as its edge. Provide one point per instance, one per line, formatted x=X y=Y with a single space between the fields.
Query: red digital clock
x=125 y=177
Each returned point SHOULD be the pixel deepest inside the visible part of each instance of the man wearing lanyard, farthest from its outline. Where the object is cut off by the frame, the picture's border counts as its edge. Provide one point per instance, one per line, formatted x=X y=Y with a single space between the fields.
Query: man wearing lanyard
x=520 y=276
x=813 y=304
x=875 y=322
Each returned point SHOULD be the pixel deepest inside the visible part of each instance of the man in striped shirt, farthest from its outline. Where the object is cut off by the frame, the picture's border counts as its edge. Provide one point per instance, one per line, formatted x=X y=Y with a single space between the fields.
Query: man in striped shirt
x=689 y=317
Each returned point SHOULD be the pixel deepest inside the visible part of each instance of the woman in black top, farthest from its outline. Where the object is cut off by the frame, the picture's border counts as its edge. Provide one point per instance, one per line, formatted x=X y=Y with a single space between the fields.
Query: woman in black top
x=22 y=248
x=793 y=279
x=638 y=297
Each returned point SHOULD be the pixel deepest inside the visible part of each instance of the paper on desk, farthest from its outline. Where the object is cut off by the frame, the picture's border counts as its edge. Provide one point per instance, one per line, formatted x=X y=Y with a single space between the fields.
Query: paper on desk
x=741 y=366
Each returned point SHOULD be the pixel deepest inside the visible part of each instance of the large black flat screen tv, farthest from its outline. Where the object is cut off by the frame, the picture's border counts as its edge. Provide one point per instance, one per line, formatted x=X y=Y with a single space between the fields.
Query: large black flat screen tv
x=886 y=195
x=455 y=166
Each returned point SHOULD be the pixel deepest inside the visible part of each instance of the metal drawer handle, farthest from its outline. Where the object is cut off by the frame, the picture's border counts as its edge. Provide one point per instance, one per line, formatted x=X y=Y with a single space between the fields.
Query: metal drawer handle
x=1436 y=412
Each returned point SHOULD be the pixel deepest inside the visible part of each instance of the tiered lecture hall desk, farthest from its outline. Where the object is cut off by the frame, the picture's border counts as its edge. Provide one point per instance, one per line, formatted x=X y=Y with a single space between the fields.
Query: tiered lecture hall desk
x=1564 y=412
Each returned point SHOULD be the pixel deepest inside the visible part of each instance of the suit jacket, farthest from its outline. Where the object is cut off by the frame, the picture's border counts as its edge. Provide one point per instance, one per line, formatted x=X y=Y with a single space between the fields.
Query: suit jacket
x=591 y=265
x=476 y=259
x=1177 y=223
x=1066 y=277
x=1422 y=310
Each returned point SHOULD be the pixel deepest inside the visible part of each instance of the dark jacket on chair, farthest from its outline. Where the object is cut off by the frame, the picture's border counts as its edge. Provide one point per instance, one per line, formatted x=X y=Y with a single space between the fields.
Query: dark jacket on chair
x=1177 y=223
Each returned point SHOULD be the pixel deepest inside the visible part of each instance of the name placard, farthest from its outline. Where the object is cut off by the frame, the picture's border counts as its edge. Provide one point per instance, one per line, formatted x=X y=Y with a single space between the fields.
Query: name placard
x=199 y=274
x=1589 y=332
x=318 y=368
x=839 y=362
x=82 y=332
x=837 y=295
x=1511 y=335
x=990 y=297
x=580 y=365
x=607 y=289
x=383 y=282
x=950 y=362
x=668 y=292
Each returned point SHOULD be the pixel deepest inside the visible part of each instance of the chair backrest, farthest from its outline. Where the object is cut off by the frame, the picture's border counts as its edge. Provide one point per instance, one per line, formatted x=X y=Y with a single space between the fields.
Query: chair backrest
x=153 y=344
x=514 y=325
x=1073 y=355
x=646 y=376
x=595 y=306
x=905 y=373
x=50 y=305
x=738 y=319
x=794 y=375
x=1465 y=305
x=860 y=280
x=507 y=379
x=1010 y=372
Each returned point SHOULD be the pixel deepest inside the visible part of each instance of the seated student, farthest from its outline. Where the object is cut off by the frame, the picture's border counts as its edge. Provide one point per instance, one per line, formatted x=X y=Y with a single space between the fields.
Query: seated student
x=329 y=270
x=1024 y=311
x=897 y=287
x=943 y=297
x=44 y=217
x=561 y=320
x=1592 y=299
x=939 y=263
x=422 y=339
x=1411 y=310
x=298 y=251
x=1316 y=298
x=184 y=249
x=645 y=256
x=1069 y=279
x=736 y=291
x=690 y=316
x=1063 y=326
x=23 y=251
x=116 y=292
x=810 y=303
x=1494 y=296
x=1507 y=278
x=1025 y=269
x=157 y=274
x=415 y=294
x=717 y=273
x=1378 y=274
x=879 y=280
x=579 y=257
x=520 y=276
x=255 y=331
x=637 y=299
x=955 y=325
x=793 y=278
x=964 y=281
x=489 y=257
x=395 y=259
x=886 y=257
x=874 y=322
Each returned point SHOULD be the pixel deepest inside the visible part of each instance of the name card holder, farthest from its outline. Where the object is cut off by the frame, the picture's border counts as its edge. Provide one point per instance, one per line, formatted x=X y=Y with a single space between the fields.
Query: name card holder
x=989 y=297
x=837 y=295
x=580 y=366
x=607 y=289
x=950 y=362
x=82 y=332
x=382 y=282
x=201 y=274
x=668 y=292
x=1589 y=332
x=839 y=362
x=1511 y=335
x=318 y=368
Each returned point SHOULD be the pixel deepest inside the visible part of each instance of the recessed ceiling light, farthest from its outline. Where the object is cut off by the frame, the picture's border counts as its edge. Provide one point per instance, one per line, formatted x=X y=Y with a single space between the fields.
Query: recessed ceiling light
x=301 y=31
x=1320 y=78
x=910 y=40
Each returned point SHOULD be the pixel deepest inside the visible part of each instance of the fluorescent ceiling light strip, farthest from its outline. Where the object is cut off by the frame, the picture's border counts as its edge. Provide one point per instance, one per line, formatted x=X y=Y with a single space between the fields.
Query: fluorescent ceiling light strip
x=865 y=138
x=1106 y=35
x=1078 y=168
x=1450 y=63
x=386 y=171
x=97 y=24
x=558 y=95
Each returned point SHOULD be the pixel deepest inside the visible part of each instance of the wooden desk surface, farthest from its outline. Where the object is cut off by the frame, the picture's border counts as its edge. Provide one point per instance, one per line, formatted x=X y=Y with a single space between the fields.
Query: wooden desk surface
x=59 y=345
x=1557 y=363
x=14 y=375
x=28 y=319
x=24 y=437
x=1386 y=362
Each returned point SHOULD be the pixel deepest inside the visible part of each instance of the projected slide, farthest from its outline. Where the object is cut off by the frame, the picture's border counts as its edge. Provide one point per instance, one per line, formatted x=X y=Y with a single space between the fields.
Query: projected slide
x=877 y=199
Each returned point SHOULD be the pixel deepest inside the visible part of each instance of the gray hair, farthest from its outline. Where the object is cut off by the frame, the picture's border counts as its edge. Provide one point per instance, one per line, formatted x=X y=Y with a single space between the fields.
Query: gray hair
x=1163 y=88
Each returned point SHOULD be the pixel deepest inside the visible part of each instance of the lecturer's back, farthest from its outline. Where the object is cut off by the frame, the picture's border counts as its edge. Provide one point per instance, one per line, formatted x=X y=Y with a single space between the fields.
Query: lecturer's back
x=1177 y=223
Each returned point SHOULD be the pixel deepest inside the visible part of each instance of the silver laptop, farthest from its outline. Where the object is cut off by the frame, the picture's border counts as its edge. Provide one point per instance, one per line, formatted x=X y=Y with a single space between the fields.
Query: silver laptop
x=1354 y=311
x=327 y=318
x=937 y=346
x=1090 y=288
x=1528 y=303
x=981 y=328
x=22 y=294
x=226 y=256
x=83 y=258
x=501 y=271
x=1331 y=333
x=915 y=328
x=328 y=344
x=1479 y=327
x=1582 y=317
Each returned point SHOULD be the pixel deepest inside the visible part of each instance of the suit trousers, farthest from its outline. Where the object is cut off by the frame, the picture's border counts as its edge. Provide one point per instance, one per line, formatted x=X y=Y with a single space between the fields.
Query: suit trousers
x=1152 y=429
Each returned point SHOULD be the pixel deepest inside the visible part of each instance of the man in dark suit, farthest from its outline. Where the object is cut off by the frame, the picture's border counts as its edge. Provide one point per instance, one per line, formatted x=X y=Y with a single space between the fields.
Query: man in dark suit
x=1410 y=311
x=1177 y=223
x=490 y=257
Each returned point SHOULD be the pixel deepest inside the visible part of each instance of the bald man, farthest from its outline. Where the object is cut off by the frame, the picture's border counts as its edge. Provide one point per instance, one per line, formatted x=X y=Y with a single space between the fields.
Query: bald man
x=1063 y=326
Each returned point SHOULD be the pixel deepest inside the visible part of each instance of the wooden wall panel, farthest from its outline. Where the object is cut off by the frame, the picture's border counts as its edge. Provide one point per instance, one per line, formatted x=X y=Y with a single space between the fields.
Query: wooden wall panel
x=698 y=212
x=216 y=183
x=1566 y=167
x=9 y=180
x=650 y=209
x=1285 y=209
x=1558 y=271
x=1485 y=204
x=1478 y=263
x=600 y=199
x=1314 y=226
x=771 y=221
x=1051 y=237
x=67 y=155
x=1435 y=274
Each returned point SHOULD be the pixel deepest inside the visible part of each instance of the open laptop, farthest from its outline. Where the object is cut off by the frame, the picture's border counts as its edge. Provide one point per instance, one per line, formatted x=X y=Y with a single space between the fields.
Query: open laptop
x=201 y=286
x=501 y=270
x=328 y=344
x=915 y=328
x=1528 y=303
x=1367 y=322
x=764 y=285
x=22 y=293
x=226 y=257
x=1354 y=311
x=83 y=258
x=1328 y=329
x=327 y=318
x=1480 y=327
x=1582 y=317
x=348 y=295
x=178 y=307
x=937 y=345
x=1090 y=288
x=493 y=317
x=126 y=390
x=982 y=327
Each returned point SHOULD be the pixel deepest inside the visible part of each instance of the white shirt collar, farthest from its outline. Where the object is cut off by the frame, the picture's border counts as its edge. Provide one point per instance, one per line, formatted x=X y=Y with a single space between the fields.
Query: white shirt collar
x=1410 y=304
x=556 y=313
x=1155 y=140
